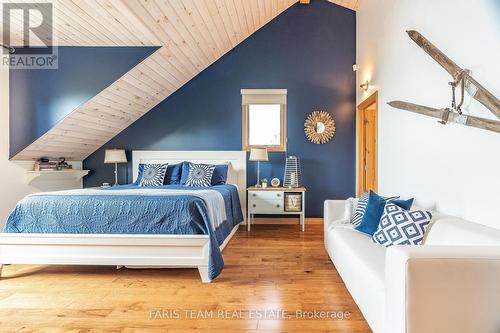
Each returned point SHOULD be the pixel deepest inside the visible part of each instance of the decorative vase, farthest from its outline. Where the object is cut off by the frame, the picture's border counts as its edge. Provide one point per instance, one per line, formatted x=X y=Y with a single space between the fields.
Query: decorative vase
x=264 y=185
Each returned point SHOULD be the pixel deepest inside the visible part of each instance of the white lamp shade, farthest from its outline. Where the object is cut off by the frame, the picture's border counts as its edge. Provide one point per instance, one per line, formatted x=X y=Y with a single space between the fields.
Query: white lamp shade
x=258 y=154
x=115 y=156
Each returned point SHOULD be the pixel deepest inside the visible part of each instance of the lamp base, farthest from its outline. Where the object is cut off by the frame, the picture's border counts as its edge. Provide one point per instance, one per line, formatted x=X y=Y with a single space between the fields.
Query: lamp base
x=257 y=185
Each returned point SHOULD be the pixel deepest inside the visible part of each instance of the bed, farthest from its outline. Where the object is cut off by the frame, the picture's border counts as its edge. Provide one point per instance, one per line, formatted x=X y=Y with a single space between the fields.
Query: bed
x=168 y=226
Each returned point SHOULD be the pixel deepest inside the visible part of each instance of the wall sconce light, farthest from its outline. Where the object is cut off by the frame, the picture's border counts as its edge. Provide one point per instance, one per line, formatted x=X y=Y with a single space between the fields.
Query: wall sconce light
x=355 y=67
x=365 y=85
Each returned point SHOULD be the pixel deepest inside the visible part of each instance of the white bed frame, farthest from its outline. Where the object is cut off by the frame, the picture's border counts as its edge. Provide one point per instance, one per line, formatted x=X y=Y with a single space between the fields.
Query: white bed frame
x=129 y=250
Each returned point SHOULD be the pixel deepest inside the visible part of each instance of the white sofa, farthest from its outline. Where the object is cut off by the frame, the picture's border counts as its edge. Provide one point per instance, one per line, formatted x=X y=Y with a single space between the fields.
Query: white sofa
x=451 y=283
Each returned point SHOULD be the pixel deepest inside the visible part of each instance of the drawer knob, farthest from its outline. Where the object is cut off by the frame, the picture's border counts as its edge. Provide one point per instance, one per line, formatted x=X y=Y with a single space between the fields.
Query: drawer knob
x=278 y=195
x=278 y=205
x=254 y=195
x=254 y=205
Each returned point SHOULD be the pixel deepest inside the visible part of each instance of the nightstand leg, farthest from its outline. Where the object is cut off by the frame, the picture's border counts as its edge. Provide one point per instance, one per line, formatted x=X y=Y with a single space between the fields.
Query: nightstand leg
x=303 y=216
x=249 y=221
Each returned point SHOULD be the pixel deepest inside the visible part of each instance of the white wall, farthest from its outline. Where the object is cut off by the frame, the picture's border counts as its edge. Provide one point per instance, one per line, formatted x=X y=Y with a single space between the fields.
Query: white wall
x=454 y=169
x=13 y=184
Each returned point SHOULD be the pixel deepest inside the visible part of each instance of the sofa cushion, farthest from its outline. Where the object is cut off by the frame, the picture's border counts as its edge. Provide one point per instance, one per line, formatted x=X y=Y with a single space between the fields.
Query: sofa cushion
x=363 y=254
x=361 y=264
x=454 y=231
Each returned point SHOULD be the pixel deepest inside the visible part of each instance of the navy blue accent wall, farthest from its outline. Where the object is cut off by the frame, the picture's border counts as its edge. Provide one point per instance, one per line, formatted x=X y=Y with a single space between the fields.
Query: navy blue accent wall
x=40 y=98
x=308 y=50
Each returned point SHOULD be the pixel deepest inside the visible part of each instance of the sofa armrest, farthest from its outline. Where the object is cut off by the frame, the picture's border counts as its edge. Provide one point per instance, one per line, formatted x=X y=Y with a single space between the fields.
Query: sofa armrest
x=442 y=289
x=337 y=210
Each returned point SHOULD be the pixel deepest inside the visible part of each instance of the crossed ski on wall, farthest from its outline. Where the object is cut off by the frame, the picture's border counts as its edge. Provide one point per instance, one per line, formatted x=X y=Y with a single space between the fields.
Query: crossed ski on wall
x=461 y=79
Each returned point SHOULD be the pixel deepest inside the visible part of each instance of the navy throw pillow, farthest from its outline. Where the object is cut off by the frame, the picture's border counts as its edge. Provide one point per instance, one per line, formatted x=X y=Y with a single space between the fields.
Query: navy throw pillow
x=220 y=174
x=373 y=213
x=405 y=204
x=140 y=170
x=174 y=173
x=185 y=172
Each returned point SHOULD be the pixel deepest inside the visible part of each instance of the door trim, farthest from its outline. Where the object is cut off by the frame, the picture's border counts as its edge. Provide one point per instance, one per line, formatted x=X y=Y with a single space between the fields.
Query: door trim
x=360 y=143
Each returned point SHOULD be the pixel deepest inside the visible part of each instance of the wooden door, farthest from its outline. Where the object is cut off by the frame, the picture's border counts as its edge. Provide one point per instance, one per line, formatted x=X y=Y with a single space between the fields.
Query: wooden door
x=367 y=125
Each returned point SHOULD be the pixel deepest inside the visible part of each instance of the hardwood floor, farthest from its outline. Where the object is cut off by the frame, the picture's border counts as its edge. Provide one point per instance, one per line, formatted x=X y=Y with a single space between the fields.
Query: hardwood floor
x=270 y=269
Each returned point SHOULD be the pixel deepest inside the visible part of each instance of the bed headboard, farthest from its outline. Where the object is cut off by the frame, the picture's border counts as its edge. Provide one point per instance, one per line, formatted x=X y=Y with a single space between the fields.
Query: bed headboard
x=237 y=174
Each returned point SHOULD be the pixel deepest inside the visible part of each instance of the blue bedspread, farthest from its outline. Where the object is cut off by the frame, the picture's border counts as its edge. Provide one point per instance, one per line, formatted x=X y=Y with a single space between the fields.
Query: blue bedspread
x=129 y=214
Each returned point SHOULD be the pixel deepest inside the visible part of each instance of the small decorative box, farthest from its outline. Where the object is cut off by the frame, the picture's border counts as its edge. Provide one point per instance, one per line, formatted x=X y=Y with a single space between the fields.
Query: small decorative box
x=293 y=202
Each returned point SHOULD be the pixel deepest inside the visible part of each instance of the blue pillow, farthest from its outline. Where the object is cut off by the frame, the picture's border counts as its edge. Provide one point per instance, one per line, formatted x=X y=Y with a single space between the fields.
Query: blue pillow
x=405 y=204
x=373 y=213
x=219 y=176
x=140 y=170
x=185 y=173
x=174 y=173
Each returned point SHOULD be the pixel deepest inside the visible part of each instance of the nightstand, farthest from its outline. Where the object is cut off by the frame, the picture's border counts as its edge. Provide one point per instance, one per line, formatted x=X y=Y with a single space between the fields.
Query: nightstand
x=276 y=201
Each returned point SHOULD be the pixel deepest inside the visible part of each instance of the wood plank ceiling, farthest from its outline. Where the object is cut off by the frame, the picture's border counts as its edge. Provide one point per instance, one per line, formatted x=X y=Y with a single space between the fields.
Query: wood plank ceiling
x=192 y=34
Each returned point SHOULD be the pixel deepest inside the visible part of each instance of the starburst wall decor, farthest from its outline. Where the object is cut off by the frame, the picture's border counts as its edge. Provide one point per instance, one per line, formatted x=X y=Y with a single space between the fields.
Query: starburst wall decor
x=319 y=127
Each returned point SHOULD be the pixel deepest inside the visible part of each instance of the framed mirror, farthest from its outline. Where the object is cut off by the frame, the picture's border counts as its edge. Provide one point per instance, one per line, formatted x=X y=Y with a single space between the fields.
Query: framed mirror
x=319 y=127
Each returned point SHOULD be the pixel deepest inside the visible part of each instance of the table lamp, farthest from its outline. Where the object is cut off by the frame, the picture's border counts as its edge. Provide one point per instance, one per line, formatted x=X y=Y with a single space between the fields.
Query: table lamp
x=258 y=154
x=115 y=156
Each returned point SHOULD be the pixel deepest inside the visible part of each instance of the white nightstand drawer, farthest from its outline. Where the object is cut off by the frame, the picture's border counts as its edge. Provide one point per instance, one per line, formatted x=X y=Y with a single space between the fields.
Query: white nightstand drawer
x=266 y=195
x=259 y=206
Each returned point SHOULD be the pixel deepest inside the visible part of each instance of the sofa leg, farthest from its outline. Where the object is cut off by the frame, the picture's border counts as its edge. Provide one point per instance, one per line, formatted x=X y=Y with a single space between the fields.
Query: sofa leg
x=203 y=270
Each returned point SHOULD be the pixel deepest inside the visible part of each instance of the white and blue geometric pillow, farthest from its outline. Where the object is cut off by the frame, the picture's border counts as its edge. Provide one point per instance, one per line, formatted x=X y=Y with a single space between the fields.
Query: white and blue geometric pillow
x=153 y=174
x=360 y=209
x=200 y=175
x=401 y=227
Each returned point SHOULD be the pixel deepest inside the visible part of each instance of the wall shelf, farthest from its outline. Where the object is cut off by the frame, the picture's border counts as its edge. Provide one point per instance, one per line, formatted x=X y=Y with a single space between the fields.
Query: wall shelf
x=56 y=175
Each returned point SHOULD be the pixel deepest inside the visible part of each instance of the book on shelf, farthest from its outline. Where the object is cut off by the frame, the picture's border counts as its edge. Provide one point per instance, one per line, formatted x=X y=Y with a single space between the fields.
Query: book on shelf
x=51 y=166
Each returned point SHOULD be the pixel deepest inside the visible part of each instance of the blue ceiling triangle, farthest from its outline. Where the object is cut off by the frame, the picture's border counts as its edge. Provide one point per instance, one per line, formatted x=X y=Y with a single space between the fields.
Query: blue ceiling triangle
x=40 y=98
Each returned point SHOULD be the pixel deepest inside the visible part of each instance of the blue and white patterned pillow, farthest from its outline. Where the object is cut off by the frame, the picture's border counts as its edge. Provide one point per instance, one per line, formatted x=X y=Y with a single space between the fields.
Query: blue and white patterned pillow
x=200 y=175
x=360 y=209
x=401 y=227
x=153 y=174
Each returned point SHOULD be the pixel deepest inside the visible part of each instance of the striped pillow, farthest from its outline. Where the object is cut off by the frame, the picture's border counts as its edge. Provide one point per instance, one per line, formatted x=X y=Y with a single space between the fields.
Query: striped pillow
x=360 y=209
